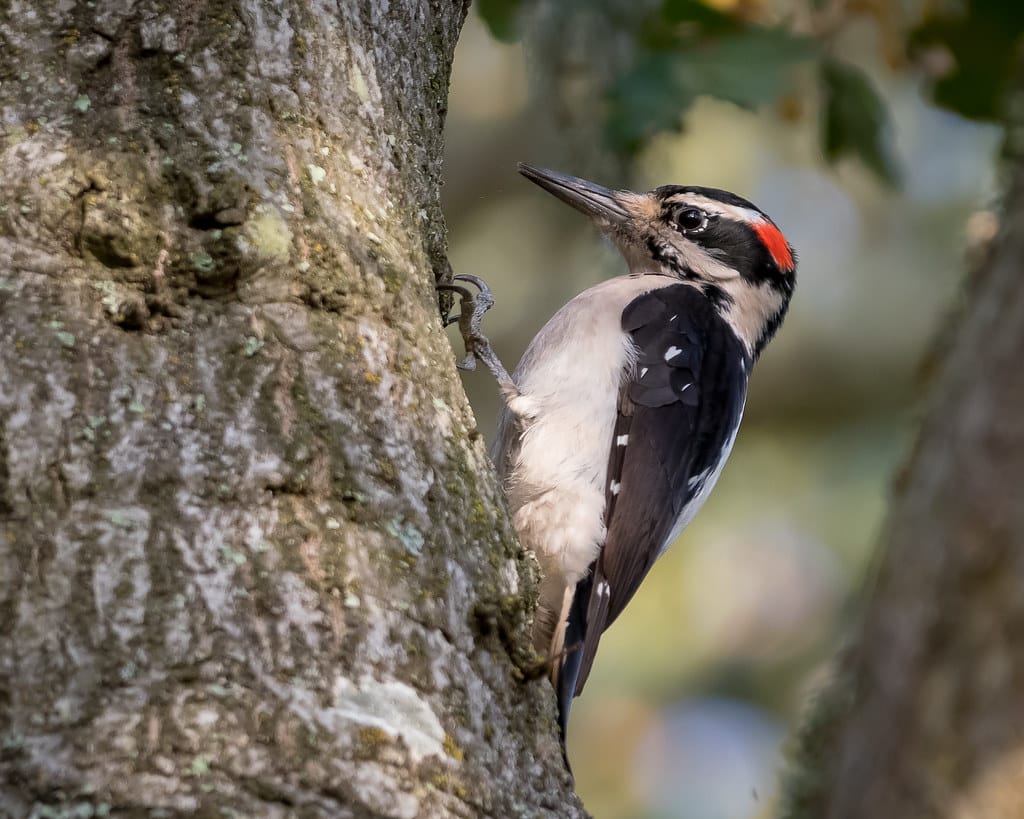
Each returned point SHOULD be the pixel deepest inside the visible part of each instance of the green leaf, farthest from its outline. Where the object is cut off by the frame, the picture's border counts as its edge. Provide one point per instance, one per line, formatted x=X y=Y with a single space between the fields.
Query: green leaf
x=502 y=18
x=856 y=121
x=710 y=20
x=748 y=68
x=645 y=100
x=982 y=41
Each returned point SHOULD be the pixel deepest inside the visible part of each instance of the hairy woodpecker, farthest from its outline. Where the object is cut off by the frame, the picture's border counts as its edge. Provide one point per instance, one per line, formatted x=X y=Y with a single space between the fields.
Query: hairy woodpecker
x=621 y=414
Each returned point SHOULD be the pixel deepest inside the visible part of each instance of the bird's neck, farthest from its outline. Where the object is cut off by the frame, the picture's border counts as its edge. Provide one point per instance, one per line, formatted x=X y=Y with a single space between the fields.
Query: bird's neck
x=754 y=311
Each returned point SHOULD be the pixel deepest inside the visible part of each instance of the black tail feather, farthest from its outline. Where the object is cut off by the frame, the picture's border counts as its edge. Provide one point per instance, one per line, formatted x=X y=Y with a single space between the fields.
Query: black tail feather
x=572 y=657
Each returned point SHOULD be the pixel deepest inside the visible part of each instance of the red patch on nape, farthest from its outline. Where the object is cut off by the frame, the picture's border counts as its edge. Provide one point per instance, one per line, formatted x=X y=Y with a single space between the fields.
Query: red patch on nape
x=771 y=237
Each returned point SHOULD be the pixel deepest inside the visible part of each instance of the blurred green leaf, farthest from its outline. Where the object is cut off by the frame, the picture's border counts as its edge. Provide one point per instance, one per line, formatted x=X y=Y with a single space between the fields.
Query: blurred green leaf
x=501 y=17
x=856 y=120
x=748 y=68
x=711 y=20
x=647 y=99
x=982 y=41
x=685 y=49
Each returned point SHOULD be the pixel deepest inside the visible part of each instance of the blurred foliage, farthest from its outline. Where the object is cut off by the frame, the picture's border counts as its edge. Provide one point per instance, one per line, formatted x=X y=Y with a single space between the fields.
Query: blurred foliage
x=855 y=120
x=502 y=17
x=686 y=49
x=680 y=50
x=980 y=43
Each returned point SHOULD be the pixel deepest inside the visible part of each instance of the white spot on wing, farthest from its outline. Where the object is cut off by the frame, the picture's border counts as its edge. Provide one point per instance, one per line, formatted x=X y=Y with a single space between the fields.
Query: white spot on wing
x=643 y=371
x=614 y=487
x=603 y=589
x=707 y=483
x=672 y=352
x=698 y=479
x=622 y=440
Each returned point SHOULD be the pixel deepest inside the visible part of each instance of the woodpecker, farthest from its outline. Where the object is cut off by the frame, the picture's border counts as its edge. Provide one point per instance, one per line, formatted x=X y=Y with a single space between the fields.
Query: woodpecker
x=623 y=410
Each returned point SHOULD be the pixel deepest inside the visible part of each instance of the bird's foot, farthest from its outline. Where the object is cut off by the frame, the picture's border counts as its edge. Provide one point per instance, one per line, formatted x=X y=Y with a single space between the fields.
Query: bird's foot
x=472 y=307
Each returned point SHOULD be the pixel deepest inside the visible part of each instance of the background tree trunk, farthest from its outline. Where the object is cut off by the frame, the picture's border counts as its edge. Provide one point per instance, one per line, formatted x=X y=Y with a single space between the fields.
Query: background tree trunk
x=926 y=715
x=253 y=558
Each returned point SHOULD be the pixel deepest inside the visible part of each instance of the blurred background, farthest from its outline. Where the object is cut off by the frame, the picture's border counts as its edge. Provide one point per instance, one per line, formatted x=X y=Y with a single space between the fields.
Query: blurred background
x=827 y=116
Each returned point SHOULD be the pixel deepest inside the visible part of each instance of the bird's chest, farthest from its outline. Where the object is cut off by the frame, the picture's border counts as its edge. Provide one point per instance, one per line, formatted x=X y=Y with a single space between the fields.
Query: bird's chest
x=566 y=443
x=555 y=445
x=557 y=488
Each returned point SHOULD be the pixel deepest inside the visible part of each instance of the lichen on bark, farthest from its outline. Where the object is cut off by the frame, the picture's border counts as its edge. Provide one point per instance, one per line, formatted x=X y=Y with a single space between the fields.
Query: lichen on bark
x=253 y=557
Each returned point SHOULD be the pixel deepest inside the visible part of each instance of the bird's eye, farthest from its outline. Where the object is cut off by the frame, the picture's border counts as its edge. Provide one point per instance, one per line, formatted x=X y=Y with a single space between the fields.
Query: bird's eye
x=690 y=219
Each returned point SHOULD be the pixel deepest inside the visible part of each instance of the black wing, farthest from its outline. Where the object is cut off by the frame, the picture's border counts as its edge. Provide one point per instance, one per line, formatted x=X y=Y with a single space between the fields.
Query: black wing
x=677 y=411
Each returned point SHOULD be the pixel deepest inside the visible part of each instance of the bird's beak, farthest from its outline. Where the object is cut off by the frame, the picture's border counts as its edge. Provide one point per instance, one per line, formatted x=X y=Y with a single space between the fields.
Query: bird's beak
x=594 y=200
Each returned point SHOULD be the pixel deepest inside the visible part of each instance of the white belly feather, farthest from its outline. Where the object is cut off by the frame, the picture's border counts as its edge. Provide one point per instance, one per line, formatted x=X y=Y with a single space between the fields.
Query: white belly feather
x=569 y=382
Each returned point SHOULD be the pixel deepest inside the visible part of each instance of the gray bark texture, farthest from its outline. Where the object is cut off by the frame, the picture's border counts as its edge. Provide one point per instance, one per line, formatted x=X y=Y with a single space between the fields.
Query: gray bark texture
x=925 y=717
x=253 y=558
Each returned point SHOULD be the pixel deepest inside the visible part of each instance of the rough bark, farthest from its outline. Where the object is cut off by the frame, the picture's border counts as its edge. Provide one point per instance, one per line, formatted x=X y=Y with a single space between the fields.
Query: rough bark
x=253 y=558
x=926 y=715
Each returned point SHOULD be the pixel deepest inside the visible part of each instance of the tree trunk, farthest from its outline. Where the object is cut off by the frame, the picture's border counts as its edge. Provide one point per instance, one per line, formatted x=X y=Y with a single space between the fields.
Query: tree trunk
x=253 y=558
x=926 y=715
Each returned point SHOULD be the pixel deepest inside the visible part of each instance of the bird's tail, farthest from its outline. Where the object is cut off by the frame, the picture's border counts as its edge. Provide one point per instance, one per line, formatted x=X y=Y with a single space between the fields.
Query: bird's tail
x=565 y=671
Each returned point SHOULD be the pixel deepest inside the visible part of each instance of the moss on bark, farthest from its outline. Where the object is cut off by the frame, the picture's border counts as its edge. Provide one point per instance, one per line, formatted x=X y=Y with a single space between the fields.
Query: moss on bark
x=257 y=558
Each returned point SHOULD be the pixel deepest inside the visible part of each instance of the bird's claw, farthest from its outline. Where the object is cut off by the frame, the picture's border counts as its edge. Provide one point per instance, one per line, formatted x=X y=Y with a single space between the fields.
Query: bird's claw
x=481 y=302
x=471 y=312
x=476 y=304
x=472 y=308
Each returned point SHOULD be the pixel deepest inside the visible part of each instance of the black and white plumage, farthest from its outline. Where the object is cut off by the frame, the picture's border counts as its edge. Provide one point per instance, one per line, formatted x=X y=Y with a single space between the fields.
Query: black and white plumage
x=678 y=411
x=624 y=408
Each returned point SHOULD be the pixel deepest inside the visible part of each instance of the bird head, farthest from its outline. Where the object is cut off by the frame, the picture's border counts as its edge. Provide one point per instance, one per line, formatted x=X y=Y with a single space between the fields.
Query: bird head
x=714 y=239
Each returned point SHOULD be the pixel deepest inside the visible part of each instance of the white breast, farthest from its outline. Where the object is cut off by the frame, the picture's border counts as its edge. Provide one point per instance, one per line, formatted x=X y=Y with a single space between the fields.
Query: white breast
x=569 y=379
